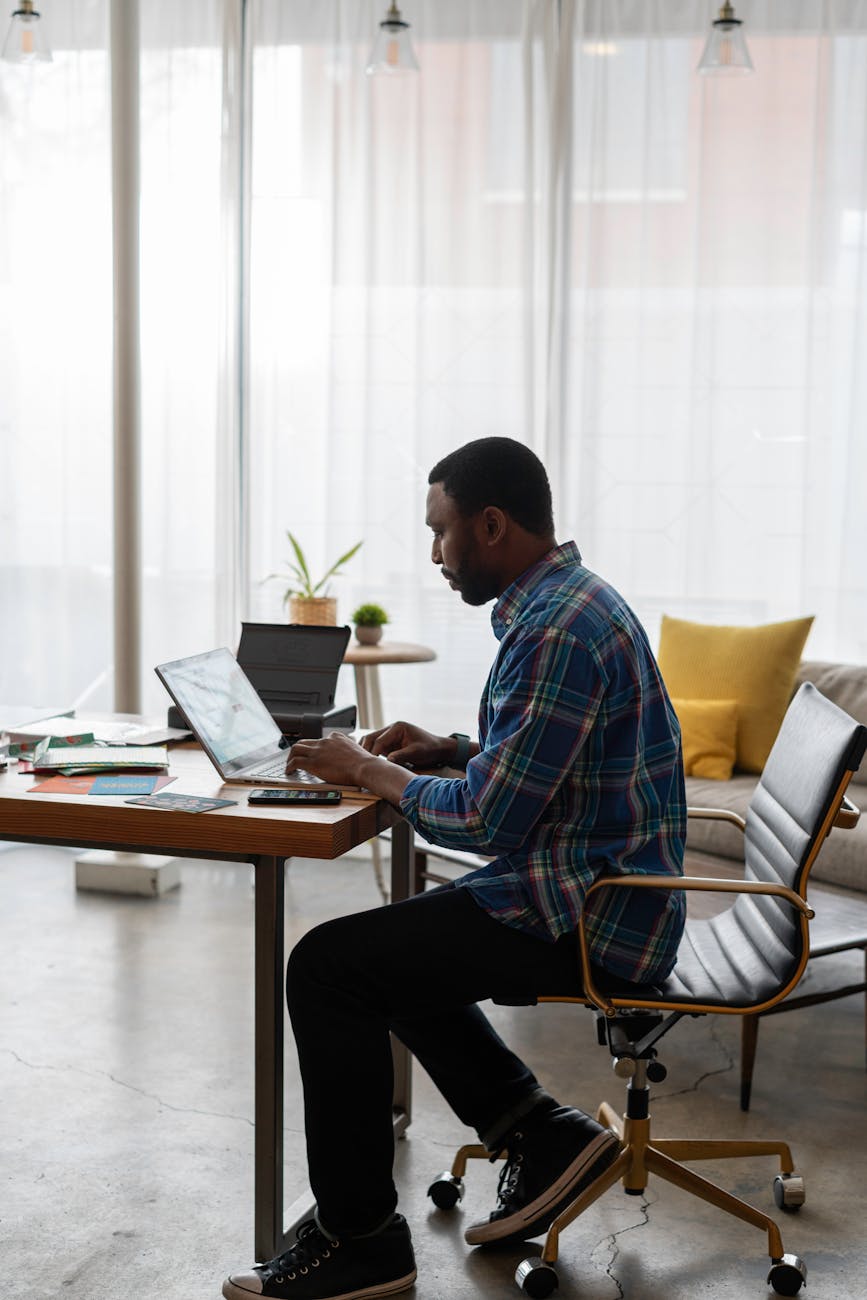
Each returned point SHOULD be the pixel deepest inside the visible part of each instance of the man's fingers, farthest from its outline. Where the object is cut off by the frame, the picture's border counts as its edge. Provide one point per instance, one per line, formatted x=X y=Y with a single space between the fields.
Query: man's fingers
x=386 y=741
x=367 y=742
x=297 y=754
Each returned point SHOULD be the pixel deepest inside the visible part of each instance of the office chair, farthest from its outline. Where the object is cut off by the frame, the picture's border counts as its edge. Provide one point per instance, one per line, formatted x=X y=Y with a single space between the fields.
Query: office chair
x=741 y=962
x=840 y=925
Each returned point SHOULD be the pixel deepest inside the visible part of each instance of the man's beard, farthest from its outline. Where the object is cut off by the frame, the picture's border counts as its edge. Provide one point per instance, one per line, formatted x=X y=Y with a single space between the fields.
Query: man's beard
x=474 y=588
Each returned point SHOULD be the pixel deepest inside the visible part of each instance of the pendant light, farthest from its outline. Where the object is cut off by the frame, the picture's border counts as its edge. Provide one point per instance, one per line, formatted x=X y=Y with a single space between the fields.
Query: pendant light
x=726 y=50
x=25 y=41
x=392 y=51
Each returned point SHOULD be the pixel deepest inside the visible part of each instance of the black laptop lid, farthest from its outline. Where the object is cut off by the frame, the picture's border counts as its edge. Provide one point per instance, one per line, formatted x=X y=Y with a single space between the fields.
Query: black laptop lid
x=293 y=666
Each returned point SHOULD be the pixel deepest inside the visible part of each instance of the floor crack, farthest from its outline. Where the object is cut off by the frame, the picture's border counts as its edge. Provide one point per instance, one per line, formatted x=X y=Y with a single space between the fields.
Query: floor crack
x=708 y=1074
x=611 y=1242
x=151 y=1096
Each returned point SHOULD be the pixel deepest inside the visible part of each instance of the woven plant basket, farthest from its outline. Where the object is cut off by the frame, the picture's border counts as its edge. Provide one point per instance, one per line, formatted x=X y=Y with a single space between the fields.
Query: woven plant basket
x=319 y=611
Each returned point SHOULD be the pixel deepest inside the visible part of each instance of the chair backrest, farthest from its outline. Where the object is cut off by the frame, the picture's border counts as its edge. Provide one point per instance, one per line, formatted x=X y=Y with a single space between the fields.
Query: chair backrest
x=816 y=751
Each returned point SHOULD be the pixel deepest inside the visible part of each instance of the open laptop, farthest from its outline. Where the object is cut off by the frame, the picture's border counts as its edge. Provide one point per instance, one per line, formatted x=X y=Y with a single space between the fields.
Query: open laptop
x=231 y=723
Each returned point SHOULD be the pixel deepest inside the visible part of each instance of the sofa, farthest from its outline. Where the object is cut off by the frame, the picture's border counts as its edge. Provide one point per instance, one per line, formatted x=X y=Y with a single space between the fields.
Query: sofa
x=843 y=859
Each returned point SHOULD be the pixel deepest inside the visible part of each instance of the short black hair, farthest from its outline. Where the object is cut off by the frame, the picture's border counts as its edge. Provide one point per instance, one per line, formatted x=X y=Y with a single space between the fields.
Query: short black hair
x=498 y=472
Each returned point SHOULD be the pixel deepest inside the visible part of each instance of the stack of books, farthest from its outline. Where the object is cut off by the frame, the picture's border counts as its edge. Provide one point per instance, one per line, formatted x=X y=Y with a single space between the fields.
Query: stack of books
x=78 y=760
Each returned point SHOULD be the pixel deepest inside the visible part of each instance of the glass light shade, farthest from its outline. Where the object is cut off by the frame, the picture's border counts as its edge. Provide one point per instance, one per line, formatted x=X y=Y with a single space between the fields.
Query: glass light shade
x=726 y=50
x=392 y=51
x=25 y=41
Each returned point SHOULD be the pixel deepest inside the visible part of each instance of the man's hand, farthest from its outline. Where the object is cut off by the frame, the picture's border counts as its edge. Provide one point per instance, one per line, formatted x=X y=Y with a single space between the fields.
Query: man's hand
x=342 y=761
x=408 y=745
x=337 y=758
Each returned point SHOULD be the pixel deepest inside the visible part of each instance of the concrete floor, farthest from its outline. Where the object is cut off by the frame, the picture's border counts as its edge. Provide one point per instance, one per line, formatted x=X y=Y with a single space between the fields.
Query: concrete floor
x=126 y=1137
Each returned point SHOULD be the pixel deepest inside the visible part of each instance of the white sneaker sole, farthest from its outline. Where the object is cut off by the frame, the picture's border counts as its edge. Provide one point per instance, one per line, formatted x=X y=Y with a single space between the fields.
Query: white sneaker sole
x=232 y=1292
x=479 y=1234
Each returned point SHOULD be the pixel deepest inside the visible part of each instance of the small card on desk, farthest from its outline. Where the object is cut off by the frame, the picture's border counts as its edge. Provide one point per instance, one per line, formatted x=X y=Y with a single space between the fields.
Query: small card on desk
x=182 y=802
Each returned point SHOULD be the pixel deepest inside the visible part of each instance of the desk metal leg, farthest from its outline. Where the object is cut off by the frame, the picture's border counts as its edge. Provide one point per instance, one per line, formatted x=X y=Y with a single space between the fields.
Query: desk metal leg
x=268 y=1088
x=402 y=850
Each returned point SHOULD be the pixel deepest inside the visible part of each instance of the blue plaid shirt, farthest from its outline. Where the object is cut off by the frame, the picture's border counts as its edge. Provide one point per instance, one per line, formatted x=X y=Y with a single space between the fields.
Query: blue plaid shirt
x=580 y=773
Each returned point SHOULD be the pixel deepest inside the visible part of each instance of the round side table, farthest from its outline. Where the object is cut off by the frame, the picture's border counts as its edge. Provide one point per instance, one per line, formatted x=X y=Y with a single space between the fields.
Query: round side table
x=365 y=661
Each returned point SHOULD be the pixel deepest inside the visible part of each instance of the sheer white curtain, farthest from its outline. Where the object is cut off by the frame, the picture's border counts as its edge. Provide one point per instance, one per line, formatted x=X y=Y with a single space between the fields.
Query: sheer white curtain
x=560 y=232
x=190 y=192
x=556 y=231
x=393 y=313
x=56 y=642
x=55 y=365
x=715 y=452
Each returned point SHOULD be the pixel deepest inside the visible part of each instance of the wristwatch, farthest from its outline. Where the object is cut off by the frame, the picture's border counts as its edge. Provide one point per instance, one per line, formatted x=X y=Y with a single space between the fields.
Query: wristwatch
x=462 y=753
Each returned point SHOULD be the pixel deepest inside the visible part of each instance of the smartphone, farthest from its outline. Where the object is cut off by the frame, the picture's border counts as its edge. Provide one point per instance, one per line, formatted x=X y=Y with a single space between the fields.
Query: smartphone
x=294 y=796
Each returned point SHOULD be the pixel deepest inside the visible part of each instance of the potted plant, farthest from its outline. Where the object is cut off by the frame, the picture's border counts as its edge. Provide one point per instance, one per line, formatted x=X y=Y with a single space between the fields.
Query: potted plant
x=308 y=603
x=368 y=620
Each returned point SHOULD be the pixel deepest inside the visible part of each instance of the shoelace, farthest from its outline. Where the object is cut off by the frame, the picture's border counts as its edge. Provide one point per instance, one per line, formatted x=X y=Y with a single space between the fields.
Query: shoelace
x=308 y=1251
x=510 y=1173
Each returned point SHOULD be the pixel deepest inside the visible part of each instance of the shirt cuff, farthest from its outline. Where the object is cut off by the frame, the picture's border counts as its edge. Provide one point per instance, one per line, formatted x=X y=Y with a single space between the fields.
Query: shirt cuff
x=409 y=799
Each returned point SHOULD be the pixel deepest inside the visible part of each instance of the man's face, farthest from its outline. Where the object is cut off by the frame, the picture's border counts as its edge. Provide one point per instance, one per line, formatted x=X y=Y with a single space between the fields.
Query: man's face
x=458 y=548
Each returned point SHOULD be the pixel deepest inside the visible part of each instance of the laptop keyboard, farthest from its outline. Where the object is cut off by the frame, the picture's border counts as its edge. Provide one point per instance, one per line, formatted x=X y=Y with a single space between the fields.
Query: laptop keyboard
x=278 y=768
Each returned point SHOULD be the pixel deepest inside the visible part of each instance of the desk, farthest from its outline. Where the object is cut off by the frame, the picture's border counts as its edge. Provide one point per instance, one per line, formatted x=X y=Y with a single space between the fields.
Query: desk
x=265 y=837
x=365 y=660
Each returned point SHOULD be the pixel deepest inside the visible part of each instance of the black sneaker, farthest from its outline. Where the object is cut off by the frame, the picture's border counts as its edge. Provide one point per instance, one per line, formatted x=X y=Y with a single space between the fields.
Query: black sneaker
x=319 y=1268
x=550 y=1160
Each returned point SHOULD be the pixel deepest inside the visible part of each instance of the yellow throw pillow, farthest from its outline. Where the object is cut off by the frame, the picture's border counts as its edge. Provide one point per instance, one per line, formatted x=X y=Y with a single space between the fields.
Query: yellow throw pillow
x=755 y=666
x=708 y=731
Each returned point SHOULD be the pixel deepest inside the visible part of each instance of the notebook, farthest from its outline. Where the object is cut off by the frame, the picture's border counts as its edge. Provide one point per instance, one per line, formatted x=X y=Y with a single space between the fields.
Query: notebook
x=230 y=721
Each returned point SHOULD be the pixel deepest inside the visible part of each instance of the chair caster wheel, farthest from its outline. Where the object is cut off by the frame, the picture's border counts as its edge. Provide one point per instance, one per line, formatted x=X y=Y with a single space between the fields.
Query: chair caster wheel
x=536 y=1278
x=789 y=1192
x=446 y=1191
x=787 y=1275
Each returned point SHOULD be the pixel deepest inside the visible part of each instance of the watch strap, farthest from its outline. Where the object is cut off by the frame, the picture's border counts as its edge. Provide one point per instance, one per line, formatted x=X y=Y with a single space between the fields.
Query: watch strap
x=462 y=753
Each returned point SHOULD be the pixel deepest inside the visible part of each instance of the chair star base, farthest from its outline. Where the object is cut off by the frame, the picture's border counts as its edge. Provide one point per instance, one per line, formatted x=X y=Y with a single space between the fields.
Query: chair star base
x=639 y=1157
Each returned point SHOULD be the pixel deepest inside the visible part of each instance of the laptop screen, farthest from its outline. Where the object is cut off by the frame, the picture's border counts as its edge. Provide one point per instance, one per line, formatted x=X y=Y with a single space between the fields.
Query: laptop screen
x=221 y=706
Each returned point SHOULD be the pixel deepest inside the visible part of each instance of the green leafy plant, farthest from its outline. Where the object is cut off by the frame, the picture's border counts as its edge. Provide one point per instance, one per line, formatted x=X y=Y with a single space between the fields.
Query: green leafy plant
x=303 y=584
x=369 y=616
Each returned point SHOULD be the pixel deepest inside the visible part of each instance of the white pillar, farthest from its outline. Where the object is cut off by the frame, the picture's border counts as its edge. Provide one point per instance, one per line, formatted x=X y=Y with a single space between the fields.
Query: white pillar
x=124 y=21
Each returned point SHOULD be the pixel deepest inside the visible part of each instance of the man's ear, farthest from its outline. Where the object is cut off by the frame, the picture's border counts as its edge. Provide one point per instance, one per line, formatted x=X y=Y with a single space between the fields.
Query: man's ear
x=494 y=523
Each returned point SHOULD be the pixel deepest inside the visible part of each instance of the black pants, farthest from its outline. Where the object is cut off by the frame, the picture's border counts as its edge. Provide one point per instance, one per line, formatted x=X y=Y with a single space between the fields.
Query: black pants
x=418 y=968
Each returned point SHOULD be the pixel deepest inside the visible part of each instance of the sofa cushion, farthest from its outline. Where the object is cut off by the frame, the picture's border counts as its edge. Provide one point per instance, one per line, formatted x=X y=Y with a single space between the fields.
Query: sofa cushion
x=707 y=835
x=843 y=857
x=708 y=730
x=841 y=861
x=844 y=684
x=754 y=665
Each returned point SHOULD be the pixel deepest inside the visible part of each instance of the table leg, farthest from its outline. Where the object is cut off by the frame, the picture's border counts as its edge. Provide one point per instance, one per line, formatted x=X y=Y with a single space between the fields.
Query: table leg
x=402 y=849
x=268 y=1087
x=362 y=699
x=369 y=701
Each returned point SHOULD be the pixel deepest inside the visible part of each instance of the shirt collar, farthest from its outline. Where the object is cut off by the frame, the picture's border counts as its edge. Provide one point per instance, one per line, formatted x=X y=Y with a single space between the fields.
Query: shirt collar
x=514 y=599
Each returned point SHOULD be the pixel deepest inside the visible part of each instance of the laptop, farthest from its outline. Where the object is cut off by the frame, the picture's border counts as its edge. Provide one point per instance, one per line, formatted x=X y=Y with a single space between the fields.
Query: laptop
x=231 y=723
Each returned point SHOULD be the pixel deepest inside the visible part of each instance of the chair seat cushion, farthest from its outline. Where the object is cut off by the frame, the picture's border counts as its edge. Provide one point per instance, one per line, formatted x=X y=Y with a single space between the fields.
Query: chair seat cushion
x=736 y=959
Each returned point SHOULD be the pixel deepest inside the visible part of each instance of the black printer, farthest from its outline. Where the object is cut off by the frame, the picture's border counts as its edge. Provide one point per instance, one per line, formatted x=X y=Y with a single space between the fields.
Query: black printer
x=294 y=667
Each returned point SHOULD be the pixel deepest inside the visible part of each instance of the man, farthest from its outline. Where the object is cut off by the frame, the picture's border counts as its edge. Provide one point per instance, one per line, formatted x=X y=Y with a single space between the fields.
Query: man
x=577 y=772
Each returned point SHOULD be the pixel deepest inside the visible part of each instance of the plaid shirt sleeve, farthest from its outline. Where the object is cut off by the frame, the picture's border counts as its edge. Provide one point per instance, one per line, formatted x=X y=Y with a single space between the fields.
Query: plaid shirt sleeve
x=544 y=704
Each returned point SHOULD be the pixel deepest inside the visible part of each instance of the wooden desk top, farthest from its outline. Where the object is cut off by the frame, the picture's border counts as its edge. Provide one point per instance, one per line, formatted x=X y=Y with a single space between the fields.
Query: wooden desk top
x=388 y=652
x=107 y=821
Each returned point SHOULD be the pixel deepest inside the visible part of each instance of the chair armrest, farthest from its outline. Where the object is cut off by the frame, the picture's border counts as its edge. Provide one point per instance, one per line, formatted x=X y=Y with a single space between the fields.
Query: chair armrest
x=708 y=884
x=718 y=815
x=847 y=815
